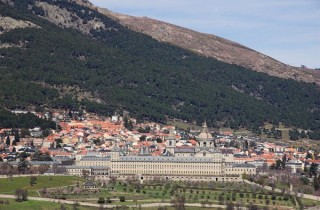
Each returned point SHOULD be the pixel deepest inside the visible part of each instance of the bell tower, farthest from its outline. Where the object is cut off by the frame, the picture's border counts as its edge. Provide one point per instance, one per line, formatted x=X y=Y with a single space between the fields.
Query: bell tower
x=171 y=142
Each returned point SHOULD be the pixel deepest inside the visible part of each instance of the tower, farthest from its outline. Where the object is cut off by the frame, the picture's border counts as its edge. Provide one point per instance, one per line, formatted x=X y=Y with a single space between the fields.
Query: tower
x=205 y=139
x=115 y=153
x=171 y=142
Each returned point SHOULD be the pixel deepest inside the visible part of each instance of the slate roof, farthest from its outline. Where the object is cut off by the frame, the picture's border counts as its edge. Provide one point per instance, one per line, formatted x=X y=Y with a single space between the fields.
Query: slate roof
x=94 y=158
x=165 y=159
x=243 y=165
x=184 y=150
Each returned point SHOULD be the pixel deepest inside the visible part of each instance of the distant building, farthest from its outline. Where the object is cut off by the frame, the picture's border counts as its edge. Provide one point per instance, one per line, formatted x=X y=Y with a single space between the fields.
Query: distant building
x=204 y=162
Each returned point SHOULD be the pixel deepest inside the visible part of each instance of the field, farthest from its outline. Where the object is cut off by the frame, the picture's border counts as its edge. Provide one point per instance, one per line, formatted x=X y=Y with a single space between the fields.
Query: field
x=8 y=186
x=137 y=194
x=36 y=205
x=201 y=193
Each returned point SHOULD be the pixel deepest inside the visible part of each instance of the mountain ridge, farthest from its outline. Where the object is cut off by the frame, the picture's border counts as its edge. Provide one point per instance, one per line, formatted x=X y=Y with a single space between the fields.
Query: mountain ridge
x=79 y=50
x=214 y=46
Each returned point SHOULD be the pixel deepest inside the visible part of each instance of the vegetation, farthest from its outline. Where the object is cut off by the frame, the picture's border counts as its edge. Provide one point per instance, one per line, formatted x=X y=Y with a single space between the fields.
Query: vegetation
x=10 y=204
x=131 y=71
x=8 y=186
x=29 y=120
x=179 y=193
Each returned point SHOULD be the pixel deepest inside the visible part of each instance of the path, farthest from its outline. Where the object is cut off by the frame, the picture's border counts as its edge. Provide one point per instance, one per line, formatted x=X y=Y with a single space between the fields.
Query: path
x=312 y=197
x=107 y=205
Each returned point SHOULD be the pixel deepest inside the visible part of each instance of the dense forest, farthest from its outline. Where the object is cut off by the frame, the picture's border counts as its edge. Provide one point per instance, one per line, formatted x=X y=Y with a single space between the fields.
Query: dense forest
x=29 y=120
x=131 y=71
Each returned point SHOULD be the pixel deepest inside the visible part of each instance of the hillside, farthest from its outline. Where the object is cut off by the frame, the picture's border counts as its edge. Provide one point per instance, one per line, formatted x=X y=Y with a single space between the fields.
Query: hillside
x=108 y=67
x=214 y=46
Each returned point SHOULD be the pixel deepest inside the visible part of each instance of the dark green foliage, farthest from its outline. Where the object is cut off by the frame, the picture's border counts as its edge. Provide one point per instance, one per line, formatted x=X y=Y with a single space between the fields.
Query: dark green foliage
x=314 y=135
x=313 y=169
x=108 y=200
x=131 y=71
x=38 y=156
x=101 y=200
x=316 y=183
x=23 y=165
x=21 y=195
x=122 y=198
x=33 y=180
x=8 y=140
x=29 y=120
x=294 y=134
x=128 y=124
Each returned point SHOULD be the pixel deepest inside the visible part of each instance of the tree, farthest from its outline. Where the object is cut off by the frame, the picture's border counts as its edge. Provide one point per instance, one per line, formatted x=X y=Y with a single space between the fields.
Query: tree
x=21 y=195
x=101 y=200
x=85 y=173
x=33 y=180
x=14 y=143
x=122 y=198
x=313 y=169
x=230 y=206
x=294 y=134
x=24 y=133
x=16 y=135
x=23 y=165
x=58 y=143
x=316 y=183
x=38 y=156
x=75 y=205
x=128 y=124
x=43 y=168
x=178 y=202
x=284 y=160
x=63 y=207
x=8 y=140
x=108 y=200
x=46 y=132
x=278 y=164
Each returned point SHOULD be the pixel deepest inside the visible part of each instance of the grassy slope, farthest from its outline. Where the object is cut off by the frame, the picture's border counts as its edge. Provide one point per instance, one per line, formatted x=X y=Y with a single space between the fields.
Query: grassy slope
x=8 y=187
x=38 y=205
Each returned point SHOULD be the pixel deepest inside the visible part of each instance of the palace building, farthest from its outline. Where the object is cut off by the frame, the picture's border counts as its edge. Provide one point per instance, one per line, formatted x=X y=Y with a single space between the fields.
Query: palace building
x=204 y=162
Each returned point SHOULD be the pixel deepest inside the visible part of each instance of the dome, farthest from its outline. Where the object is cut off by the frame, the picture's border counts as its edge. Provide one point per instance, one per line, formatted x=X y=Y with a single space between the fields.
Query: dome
x=205 y=135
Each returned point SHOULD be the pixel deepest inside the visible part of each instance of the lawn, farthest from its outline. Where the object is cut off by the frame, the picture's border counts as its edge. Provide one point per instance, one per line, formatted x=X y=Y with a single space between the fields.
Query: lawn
x=38 y=205
x=219 y=193
x=8 y=186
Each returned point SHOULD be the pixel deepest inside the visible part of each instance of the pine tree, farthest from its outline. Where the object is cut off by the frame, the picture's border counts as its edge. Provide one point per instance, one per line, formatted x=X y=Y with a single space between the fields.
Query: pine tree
x=316 y=183
x=8 y=140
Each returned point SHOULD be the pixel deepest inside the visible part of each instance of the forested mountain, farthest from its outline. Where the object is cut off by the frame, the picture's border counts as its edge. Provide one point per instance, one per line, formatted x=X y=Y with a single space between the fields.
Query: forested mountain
x=213 y=46
x=108 y=67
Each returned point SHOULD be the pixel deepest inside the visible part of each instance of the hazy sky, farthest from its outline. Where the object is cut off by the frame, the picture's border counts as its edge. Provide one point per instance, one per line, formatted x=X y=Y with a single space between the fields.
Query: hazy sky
x=288 y=30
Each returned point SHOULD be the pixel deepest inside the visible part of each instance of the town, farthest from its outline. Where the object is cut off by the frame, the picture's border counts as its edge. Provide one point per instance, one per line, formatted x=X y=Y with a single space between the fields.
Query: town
x=113 y=145
x=104 y=149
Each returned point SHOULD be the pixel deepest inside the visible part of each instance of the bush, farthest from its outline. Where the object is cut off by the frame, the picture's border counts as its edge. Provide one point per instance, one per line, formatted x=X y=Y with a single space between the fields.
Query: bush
x=101 y=200
x=285 y=198
x=108 y=200
x=122 y=198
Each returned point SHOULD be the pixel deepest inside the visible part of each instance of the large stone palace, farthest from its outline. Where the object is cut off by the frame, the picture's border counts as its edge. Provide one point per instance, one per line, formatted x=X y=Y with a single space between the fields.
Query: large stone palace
x=204 y=162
